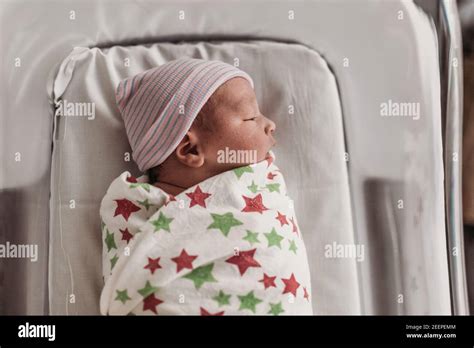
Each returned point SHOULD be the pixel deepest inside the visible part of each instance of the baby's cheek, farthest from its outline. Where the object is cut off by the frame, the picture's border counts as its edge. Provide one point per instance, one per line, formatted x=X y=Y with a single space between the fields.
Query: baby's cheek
x=239 y=139
x=236 y=139
x=255 y=141
x=247 y=142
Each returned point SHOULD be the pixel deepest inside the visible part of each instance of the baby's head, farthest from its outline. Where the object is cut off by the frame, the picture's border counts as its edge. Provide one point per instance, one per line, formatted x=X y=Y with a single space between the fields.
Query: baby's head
x=184 y=115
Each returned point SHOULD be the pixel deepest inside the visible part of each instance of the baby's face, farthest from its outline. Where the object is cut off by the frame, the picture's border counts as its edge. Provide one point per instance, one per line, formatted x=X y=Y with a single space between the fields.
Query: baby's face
x=237 y=124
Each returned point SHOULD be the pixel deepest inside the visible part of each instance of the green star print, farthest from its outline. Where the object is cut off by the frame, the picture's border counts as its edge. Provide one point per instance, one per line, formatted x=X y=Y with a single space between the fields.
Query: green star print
x=241 y=170
x=253 y=188
x=201 y=275
x=273 y=187
x=122 y=296
x=110 y=241
x=145 y=203
x=276 y=308
x=147 y=289
x=251 y=237
x=162 y=223
x=273 y=238
x=249 y=301
x=224 y=222
x=293 y=247
x=222 y=299
x=113 y=261
x=143 y=185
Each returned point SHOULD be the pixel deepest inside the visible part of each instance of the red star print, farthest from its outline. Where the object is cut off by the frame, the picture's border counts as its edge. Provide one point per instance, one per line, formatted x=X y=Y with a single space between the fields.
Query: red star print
x=204 y=312
x=270 y=176
x=268 y=281
x=244 y=260
x=291 y=285
x=125 y=208
x=306 y=295
x=153 y=264
x=170 y=199
x=184 y=260
x=126 y=235
x=282 y=219
x=132 y=179
x=254 y=204
x=295 y=229
x=198 y=197
x=150 y=302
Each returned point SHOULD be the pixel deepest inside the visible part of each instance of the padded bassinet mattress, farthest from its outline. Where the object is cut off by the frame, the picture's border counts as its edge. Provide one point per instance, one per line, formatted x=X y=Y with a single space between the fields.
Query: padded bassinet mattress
x=89 y=153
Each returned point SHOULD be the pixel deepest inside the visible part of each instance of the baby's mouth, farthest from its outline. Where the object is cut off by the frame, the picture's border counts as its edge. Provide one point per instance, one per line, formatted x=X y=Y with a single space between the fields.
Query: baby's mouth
x=267 y=155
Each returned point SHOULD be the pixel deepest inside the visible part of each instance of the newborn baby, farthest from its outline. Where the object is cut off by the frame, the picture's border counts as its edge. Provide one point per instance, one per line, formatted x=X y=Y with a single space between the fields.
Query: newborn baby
x=230 y=119
x=209 y=229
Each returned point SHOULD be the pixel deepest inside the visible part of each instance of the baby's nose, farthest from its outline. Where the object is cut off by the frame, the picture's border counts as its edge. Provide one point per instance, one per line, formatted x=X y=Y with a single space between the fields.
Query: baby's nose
x=270 y=126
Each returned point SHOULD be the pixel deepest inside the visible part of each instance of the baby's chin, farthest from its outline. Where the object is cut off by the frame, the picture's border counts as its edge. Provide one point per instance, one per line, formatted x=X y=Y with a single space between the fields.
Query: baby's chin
x=265 y=156
x=261 y=155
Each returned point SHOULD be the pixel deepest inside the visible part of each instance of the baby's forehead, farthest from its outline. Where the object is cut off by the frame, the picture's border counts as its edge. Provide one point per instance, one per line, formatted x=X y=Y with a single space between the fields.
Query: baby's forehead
x=234 y=95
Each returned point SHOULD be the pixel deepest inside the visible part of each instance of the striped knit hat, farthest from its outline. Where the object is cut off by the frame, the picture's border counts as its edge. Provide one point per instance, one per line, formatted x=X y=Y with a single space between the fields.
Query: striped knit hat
x=159 y=105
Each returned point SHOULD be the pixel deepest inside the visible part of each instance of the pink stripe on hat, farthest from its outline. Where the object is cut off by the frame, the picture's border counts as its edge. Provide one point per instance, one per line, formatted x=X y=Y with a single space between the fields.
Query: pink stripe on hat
x=166 y=86
x=150 y=104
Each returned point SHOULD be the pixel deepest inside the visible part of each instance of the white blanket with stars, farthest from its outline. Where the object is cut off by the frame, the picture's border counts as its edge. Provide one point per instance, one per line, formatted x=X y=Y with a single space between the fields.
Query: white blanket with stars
x=227 y=246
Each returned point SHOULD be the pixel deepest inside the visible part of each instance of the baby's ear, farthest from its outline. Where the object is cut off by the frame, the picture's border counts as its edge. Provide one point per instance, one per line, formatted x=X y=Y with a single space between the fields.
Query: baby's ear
x=189 y=150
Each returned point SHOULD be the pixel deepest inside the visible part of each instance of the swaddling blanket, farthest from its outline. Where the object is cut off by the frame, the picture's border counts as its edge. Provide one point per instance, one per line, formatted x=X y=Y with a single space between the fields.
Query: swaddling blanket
x=228 y=245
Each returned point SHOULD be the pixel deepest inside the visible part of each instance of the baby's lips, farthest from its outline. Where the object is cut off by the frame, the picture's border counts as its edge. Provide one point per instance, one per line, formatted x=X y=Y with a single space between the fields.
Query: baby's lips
x=270 y=154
